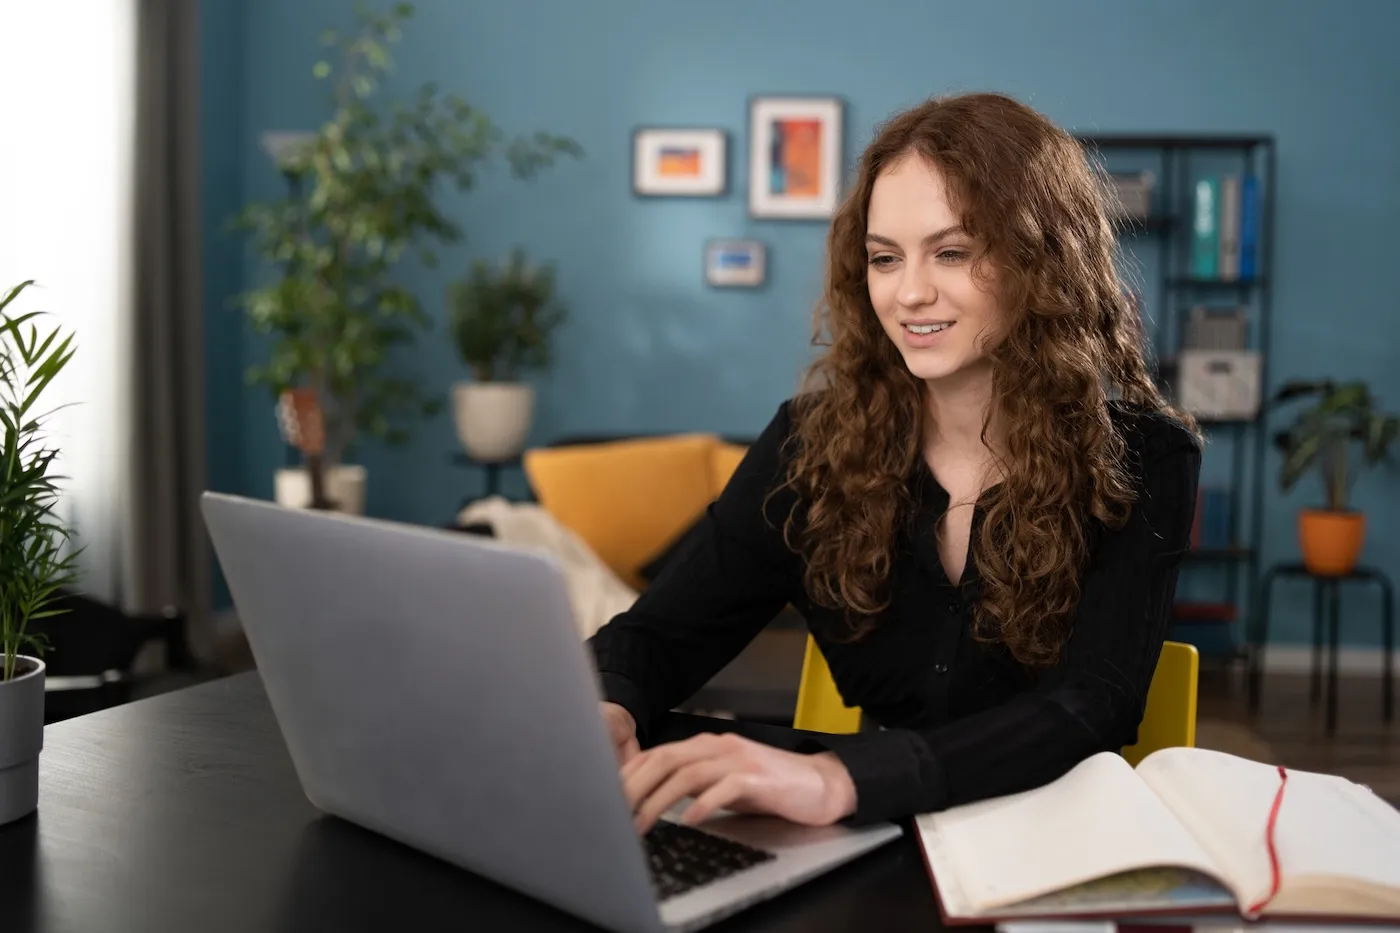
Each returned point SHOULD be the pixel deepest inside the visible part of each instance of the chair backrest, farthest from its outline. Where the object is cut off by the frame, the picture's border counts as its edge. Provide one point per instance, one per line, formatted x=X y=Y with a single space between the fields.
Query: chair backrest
x=1170 y=718
x=819 y=704
x=1168 y=721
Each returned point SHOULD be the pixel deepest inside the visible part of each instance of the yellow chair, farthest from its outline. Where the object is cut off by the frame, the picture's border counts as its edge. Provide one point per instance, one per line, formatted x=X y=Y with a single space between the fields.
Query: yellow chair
x=1170 y=718
x=1168 y=721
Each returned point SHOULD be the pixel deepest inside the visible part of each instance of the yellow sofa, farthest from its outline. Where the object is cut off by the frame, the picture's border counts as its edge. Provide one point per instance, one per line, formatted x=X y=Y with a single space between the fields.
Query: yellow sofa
x=630 y=499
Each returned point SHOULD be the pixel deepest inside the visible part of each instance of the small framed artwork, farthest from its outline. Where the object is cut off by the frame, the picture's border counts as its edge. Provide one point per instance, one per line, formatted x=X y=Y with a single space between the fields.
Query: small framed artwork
x=735 y=263
x=795 y=152
x=680 y=162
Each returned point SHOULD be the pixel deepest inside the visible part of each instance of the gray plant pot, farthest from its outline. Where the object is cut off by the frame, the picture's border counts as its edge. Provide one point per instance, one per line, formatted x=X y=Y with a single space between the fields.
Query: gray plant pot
x=21 y=739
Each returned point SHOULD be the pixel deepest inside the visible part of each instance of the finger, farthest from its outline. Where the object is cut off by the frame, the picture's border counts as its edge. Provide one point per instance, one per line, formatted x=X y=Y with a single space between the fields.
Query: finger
x=688 y=781
x=644 y=773
x=638 y=760
x=628 y=751
x=726 y=792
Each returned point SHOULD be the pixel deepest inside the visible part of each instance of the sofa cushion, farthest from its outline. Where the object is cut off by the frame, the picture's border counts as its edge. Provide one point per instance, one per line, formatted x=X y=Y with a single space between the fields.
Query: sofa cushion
x=627 y=499
x=724 y=460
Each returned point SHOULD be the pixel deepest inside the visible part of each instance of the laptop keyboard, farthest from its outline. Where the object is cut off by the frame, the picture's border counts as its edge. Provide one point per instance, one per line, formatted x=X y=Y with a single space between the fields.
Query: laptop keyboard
x=683 y=857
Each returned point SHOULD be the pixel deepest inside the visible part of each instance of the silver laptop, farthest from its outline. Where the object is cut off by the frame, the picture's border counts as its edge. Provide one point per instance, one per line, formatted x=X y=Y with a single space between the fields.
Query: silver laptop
x=433 y=686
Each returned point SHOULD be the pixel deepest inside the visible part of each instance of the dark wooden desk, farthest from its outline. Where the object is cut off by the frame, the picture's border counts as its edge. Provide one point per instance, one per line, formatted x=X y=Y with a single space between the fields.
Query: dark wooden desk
x=183 y=812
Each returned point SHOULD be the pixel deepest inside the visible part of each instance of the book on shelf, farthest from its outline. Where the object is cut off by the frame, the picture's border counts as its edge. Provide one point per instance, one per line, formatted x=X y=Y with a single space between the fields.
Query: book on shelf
x=1198 y=611
x=1191 y=831
x=1210 y=525
x=1225 y=219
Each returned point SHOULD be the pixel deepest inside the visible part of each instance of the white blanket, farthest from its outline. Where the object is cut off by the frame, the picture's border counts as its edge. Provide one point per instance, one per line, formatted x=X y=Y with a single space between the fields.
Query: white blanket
x=596 y=593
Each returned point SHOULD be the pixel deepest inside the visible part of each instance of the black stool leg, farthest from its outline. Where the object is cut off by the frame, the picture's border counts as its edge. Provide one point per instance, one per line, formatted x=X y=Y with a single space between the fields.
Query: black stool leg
x=1334 y=625
x=1388 y=631
x=1315 y=691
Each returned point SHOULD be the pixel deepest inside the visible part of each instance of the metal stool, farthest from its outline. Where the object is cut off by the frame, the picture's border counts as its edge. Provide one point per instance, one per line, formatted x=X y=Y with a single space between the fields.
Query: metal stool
x=1330 y=587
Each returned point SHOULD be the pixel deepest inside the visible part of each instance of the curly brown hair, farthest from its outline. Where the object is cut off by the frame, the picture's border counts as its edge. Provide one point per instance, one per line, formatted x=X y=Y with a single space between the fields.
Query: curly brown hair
x=1036 y=208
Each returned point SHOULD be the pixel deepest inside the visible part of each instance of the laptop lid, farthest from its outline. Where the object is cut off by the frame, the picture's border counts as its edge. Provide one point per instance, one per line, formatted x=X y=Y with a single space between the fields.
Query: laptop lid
x=432 y=686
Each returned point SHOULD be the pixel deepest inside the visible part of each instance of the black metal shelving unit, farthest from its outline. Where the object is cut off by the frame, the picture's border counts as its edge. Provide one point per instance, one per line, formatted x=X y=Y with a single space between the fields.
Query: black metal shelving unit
x=1168 y=229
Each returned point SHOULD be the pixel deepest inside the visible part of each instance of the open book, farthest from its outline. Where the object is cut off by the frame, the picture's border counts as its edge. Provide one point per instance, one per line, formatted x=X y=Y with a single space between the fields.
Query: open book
x=1186 y=832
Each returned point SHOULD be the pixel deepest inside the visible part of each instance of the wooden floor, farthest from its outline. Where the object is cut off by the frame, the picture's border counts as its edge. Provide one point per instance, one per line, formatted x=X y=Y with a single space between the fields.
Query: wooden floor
x=1289 y=730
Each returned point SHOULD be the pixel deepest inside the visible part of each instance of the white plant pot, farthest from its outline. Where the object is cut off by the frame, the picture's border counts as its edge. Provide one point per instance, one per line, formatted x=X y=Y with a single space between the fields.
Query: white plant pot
x=21 y=740
x=493 y=418
x=345 y=486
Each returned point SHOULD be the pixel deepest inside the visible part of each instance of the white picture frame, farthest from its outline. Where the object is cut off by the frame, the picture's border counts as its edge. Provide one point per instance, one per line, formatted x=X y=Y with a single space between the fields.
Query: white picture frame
x=796 y=147
x=680 y=162
x=735 y=263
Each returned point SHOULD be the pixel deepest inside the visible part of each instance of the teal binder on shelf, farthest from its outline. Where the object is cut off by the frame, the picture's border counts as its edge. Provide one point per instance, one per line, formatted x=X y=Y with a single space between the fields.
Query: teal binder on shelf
x=1205 y=228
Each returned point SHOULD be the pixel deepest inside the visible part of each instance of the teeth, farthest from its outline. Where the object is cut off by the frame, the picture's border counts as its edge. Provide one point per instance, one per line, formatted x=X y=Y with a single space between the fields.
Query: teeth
x=926 y=328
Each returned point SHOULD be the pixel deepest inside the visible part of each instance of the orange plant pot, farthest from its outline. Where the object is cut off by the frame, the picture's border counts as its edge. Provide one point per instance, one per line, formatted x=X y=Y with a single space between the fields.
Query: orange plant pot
x=1330 y=541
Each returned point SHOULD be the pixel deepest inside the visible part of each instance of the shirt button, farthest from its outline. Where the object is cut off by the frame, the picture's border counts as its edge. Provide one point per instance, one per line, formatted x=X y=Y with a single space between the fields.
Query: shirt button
x=954 y=607
x=941 y=668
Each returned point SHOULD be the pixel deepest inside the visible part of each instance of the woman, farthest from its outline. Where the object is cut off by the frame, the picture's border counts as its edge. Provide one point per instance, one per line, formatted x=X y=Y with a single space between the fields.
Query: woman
x=980 y=513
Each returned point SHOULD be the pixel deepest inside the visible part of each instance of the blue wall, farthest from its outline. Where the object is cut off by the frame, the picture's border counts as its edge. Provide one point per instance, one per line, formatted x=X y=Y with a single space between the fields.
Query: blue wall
x=649 y=347
x=221 y=48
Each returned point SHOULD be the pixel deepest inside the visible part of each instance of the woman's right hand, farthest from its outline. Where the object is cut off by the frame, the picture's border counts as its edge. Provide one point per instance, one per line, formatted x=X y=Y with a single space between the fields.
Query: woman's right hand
x=622 y=728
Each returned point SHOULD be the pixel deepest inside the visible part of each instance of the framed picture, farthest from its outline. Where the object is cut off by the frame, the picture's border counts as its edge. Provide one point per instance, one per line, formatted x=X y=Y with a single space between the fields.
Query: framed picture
x=679 y=162
x=735 y=263
x=795 y=152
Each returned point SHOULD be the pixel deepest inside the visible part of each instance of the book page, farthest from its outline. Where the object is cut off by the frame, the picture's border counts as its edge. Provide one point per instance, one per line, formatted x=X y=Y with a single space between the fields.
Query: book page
x=1099 y=819
x=1328 y=827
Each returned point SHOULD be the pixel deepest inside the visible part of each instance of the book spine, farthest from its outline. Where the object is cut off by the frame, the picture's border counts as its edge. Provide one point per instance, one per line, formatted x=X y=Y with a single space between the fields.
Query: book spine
x=1230 y=227
x=1249 y=227
x=1205 y=227
x=1198 y=520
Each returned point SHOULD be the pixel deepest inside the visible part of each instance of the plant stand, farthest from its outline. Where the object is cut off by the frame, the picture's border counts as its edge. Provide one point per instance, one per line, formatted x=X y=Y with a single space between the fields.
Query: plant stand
x=491 y=474
x=1326 y=595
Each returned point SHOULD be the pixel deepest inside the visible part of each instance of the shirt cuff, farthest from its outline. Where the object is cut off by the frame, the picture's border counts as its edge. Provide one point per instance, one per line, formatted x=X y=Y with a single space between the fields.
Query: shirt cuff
x=625 y=693
x=895 y=773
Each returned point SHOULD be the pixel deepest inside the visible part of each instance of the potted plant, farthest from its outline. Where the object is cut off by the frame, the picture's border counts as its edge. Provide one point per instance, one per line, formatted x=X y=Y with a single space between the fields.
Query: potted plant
x=361 y=194
x=1323 y=434
x=501 y=319
x=35 y=561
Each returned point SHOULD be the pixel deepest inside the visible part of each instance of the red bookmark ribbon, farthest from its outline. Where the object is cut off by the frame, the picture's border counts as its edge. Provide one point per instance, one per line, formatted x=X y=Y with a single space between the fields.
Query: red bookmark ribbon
x=1270 y=837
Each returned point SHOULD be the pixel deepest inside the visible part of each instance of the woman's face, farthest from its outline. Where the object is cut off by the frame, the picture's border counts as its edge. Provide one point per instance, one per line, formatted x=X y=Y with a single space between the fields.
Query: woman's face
x=920 y=279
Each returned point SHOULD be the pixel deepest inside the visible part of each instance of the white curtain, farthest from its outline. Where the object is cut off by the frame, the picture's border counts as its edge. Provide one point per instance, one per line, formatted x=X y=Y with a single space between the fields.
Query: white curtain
x=68 y=96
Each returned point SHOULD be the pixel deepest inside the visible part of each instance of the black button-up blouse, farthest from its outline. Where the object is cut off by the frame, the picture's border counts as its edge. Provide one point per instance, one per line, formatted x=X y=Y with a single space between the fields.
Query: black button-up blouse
x=959 y=720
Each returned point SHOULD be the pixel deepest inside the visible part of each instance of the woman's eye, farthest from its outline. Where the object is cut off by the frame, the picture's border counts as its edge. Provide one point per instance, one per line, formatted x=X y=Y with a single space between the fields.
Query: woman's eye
x=952 y=255
x=879 y=261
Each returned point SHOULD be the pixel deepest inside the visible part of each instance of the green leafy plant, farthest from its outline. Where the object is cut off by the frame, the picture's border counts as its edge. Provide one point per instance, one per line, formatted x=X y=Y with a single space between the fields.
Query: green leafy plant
x=1323 y=434
x=501 y=317
x=35 y=560
x=362 y=196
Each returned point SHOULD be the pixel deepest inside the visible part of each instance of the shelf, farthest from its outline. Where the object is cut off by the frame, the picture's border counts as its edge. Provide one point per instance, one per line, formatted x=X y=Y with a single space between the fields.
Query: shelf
x=1207 y=613
x=1160 y=141
x=1177 y=160
x=1219 y=555
x=1214 y=283
x=1226 y=422
x=1137 y=226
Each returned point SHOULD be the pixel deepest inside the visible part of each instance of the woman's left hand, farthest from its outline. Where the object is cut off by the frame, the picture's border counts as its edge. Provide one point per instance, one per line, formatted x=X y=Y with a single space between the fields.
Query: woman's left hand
x=731 y=772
